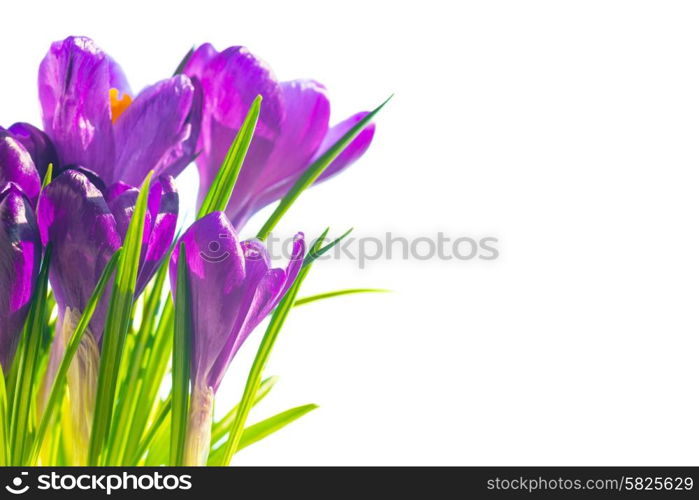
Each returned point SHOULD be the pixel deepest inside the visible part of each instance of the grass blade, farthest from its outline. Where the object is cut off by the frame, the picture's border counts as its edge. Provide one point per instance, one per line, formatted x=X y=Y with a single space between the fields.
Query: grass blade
x=116 y=326
x=180 y=362
x=315 y=170
x=338 y=293
x=261 y=430
x=221 y=189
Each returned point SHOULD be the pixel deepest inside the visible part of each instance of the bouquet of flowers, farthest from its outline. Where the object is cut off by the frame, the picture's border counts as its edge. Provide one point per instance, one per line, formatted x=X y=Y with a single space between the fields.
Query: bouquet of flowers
x=100 y=365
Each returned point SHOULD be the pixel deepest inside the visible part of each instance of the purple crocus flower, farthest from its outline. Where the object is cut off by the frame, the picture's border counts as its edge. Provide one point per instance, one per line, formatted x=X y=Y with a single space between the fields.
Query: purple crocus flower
x=90 y=116
x=20 y=255
x=293 y=128
x=233 y=288
x=86 y=223
x=17 y=166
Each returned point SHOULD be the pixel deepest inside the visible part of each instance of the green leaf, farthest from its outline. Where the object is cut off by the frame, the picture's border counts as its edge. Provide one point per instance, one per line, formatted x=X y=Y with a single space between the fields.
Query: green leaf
x=220 y=428
x=21 y=420
x=279 y=316
x=117 y=326
x=318 y=251
x=180 y=362
x=261 y=430
x=338 y=293
x=59 y=383
x=48 y=176
x=221 y=189
x=315 y=170
x=158 y=422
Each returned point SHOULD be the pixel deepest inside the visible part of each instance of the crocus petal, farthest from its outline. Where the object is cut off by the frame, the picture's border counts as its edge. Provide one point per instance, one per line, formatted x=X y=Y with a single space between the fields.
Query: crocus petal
x=116 y=190
x=75 y=78
x=163 y=208
x=38 y=144
x=20 y=254
x=74 y=217
x=159 y=225
x=121 y=200
x=17 y=166
x=189 y=147
x=298 y=253
x=353 y=151
x=305 y=126
x=263 y=289
x=94 y=179
x=151 y=133
x=231 y=80
x=265 y=180
x=200 y=58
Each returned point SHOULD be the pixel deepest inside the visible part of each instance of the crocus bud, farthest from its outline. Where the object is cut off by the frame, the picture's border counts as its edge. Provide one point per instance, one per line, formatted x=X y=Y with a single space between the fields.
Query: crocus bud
x=86 y=223
x=233 y=288
x=20 y=255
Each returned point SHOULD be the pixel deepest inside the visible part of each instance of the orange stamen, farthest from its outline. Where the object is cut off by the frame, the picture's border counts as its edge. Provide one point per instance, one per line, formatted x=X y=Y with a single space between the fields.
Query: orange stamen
x=118 y=105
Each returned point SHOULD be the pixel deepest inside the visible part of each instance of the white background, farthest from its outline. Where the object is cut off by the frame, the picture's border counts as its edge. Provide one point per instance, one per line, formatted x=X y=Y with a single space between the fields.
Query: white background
x=568 y=130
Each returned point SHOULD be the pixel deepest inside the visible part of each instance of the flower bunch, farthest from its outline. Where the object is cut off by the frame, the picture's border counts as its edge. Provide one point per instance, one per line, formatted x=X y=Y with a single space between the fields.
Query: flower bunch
x=99 y=364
